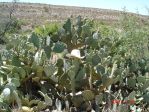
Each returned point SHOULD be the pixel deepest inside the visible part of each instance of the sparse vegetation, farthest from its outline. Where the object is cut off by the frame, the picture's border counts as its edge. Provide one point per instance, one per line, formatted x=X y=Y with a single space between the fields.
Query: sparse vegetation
x=42 y=13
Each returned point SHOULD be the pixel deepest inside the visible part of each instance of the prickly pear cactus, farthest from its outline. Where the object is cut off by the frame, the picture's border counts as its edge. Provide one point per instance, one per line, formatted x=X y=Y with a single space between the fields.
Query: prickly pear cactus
x=43 y=73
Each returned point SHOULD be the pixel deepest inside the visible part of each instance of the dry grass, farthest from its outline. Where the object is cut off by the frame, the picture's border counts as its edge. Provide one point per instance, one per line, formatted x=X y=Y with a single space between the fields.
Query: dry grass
x=38 y=14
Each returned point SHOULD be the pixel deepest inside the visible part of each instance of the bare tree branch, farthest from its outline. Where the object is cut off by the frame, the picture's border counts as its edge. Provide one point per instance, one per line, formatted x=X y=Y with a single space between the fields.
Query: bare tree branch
x=9 y=23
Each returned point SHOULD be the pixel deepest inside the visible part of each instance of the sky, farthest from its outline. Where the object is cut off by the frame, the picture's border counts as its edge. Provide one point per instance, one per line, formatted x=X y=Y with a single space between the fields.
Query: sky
x=131 y=5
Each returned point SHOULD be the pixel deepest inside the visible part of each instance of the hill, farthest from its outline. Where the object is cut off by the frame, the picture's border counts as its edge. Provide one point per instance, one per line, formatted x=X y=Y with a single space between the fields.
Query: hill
x=34 y=14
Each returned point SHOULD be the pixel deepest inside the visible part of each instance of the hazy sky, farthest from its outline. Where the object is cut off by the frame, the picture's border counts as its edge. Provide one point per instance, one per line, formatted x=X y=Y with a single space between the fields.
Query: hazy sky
x=131 y=5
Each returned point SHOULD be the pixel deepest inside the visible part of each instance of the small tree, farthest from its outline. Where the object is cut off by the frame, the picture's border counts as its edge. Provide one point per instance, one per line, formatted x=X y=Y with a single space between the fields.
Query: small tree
x=10 y=24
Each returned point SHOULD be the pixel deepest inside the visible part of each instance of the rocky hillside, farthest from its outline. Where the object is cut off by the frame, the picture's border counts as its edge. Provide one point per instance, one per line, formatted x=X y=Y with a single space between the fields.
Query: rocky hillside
x=35 y=14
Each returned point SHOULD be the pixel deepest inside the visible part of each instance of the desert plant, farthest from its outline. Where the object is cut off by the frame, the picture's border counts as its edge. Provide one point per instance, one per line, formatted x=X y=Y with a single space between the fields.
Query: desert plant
x=43 y=72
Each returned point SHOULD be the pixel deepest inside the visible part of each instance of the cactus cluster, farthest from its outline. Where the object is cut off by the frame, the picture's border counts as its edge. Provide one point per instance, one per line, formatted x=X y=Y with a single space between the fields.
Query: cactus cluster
x=37 y=70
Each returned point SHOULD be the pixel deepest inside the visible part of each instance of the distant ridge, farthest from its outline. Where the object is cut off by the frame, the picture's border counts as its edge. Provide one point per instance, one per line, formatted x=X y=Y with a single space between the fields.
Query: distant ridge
x=36 y=13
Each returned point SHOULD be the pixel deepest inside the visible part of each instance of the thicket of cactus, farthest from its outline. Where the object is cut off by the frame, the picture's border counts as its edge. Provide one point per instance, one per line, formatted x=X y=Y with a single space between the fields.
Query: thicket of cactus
x=37 y=74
